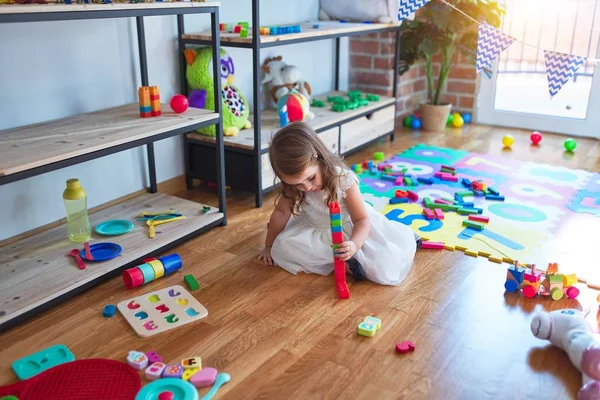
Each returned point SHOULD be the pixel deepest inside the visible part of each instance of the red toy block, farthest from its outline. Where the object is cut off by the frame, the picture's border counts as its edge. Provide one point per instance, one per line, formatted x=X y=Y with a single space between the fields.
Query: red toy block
x=439 y=214
x=405 y=347
x=237 y=29
x=432 y=245
x=448 y=167
x=479 y=218
x=365 y=164
x=145 y=114
x=400 y=193
x=334 y=208
x=337 y=237
x=428 y=213
x=448 y=177
x=339 y=270
x=439 y=174
x=412 y=195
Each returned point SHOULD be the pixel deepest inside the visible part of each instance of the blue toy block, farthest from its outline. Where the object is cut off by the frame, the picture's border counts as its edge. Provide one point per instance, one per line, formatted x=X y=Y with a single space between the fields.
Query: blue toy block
x=145 y=109
x=273 y=31
x=398 y=200
x=467 y=205
x=479 y=193
x=370 y=164
x=297 y=29
x=516 y=273
x=335 y=217
x=493 y=191
x=427 y=181
x=466 y=183
x=109 y=310
x=373 y=170
x=316 y=26
x=388 y=178
x=336 y=229
x=494 y=197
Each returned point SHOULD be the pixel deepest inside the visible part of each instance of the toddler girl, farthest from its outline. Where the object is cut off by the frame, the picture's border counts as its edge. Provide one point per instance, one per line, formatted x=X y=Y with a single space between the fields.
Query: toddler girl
x=299 y=231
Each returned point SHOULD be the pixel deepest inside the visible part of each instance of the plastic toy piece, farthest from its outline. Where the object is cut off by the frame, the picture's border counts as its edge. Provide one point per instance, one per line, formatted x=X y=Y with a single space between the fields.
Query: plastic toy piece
x=493 y=191
x=205 y=377
x=472 y=224
x=374 y=321
x=427 y=202
x=400 y=193
x=154 y=371
x=189 y=372
x=479 y=218
x=426 y=181
x=191 y=282
x=484 y=253
x=465 y=193
x=109 y=310
x=428 y=213
x=494 y=197
x=552 y=268
x=471 y=253
x=441 y=201
x=47 y=358
x=438 y=213
x=372 y=97
x=222 y=379
x=408 y=181
x=391 y=178
x=448 y=247
x=405 y=347
x=378 y=156
x=495 y=259
x=338 y=265
x=155 y=101
x=465 y=211
x=153 y=357
x=244 y=32
x=144 y=102
x=367 y=329
x=168 y=389
x=193 y=362
x=466 y=183
x=173 y=371
x=398 y=200
x=433 y=245
x=137 y=360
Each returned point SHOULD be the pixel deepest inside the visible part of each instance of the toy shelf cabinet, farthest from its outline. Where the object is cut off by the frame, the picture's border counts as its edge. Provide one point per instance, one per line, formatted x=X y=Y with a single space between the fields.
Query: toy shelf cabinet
x=36 y=271
x=246 y=155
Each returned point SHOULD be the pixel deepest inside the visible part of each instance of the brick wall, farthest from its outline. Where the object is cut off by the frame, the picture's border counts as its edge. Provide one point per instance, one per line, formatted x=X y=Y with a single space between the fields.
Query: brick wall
x=371 y=64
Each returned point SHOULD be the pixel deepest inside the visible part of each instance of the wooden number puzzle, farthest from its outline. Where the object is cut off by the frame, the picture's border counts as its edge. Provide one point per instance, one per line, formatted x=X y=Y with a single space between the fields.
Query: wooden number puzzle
x=162 y=310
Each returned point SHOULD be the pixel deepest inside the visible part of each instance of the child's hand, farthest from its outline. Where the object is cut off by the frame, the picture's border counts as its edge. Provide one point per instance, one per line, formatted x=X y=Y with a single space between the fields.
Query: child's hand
x=265 y=256
x=346 y=250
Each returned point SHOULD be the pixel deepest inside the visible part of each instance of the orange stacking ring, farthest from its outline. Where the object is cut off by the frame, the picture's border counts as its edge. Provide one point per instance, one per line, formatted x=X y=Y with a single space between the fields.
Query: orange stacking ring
x=158 y=268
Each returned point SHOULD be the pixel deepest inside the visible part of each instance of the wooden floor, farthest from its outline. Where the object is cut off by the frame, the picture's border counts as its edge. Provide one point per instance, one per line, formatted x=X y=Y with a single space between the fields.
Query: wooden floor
x=288 y=337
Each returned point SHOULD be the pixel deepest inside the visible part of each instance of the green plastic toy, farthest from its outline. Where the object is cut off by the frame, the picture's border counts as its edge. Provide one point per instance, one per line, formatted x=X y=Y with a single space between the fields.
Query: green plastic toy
x=191 y=282
x=372 y=97
x=318 y=103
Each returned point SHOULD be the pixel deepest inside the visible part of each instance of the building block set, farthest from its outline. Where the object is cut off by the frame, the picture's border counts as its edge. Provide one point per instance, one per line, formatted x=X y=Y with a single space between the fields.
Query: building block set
x=337 y=237
x=151 y=270
x=355 y=99
x=243 y=28
x=532 y=282
x=149 y=100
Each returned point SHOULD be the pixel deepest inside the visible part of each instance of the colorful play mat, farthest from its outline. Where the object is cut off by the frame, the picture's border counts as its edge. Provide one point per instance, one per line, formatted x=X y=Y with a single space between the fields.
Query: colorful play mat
x=550 y=214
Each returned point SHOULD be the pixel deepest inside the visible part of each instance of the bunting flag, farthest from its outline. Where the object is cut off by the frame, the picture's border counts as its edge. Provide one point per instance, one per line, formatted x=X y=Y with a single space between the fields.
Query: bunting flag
x=560 y=68
x=407 y=7
x=490 y=43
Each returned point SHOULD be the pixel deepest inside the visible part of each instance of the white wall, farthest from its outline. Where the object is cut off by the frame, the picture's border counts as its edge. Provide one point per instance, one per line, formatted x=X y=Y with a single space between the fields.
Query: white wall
x=57 y=69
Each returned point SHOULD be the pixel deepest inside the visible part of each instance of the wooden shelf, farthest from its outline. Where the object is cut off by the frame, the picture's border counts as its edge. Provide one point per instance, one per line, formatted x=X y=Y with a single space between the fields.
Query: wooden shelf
x=89 y=136
x=37 y=270
x=324 y=117
x=326 y=29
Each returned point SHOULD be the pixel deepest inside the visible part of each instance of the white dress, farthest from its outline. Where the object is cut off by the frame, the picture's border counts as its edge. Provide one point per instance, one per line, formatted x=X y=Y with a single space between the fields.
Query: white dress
x=305 y=244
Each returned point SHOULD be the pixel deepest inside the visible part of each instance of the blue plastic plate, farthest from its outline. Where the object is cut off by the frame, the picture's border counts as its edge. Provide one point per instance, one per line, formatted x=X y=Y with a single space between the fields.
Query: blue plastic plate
x=102 y=251
x=114 y=227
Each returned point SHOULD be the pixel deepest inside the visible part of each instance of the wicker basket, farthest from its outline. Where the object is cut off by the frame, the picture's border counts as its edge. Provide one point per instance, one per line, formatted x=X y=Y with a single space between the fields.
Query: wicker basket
x=435 y=118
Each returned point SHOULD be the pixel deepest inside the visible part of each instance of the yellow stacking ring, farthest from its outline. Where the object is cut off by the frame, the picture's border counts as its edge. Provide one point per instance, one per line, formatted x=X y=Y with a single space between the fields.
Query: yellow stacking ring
x=158 y=268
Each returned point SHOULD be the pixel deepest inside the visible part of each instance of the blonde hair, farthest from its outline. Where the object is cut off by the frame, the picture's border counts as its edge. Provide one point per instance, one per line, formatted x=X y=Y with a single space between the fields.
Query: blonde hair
x=296 y=148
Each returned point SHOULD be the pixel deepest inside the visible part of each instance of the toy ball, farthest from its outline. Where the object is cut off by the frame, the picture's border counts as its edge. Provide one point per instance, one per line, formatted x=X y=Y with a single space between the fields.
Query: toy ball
x=408 y=121
x=415 y=123
x=179 y=103
x=466 y=118
x=450 y=119
x=536 y=137
x=570 y=144
x=297 y=106
x=508 y=140
x=457 y=121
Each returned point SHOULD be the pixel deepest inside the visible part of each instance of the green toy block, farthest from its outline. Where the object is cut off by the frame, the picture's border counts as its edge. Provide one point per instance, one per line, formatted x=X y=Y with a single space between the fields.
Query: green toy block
x=362 y=102
x=351 y=105
x=428 y=203
x=336 y=222
x=354 y=95
x=372 y=97
x=336 y=99
x=244 y=24
x=338 y=107
x=244 y=32
x=191 y=282
x=453 y=208
x=444 y=207
x=378 y=156
x=472 y=224
x=318 y=103
x=465 y=193
x=554 y=278
x=408 y=181
x=467 y=211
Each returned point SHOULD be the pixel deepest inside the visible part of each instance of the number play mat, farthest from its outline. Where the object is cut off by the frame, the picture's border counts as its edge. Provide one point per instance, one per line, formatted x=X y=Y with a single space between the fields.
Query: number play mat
x=550 y=214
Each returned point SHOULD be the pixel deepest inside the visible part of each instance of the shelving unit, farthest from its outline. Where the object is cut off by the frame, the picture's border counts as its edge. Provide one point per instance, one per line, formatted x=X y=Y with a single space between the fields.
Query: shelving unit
x=36 y=272
x=246 y=158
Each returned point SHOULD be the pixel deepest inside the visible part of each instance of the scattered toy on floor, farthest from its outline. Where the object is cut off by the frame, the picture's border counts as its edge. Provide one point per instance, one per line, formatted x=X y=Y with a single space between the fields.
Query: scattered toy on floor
x=151 y=270
x=405 y=347
x=508 y=141
x=369 y=326
x=41 y=361
x=109 y=310
x=337 y=237
x=535 y=138
x=191 y=282
x=532 y=282
x=570 y=144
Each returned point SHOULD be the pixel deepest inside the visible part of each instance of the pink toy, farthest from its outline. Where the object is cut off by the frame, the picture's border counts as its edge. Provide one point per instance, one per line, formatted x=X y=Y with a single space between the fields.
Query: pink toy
x=137 y=360
x=432 y=245
x=536 y=138
x=153 y=357
x=569 y=331
x=173 y=371
x=206 y=377
x=179 y=103
x=154 y=371
x=405 y=347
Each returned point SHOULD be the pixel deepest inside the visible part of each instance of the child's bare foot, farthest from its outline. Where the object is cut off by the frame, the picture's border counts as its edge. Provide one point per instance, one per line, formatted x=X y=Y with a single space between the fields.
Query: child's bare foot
x=354 y=268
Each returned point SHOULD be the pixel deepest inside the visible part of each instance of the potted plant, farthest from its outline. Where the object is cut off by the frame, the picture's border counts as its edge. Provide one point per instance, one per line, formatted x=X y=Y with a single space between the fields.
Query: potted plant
x=438 y=29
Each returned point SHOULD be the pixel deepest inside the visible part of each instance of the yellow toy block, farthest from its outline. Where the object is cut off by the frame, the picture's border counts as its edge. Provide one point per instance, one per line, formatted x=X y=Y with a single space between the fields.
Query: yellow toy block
x=374 y=321
x=495 y=259
x=188 y=373
x=471 y=253
x=367 y=329
x=569 y=280
x=191 y=363
x=484 y=254
x=144 y=96
x=461 y=248
x=448 y=247
x=508 y=260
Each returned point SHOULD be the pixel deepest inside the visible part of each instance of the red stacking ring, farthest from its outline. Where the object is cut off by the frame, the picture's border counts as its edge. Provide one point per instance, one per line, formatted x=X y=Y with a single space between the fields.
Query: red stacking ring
x=133 y=277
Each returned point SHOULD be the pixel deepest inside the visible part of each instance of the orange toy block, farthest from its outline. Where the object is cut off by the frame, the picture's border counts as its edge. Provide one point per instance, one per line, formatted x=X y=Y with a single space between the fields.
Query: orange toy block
x=144 y=96
x=155 y=99
x=552 y=268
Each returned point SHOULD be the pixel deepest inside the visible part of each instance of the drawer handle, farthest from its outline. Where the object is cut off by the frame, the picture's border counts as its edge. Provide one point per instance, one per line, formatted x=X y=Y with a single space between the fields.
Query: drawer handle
x=370 y=116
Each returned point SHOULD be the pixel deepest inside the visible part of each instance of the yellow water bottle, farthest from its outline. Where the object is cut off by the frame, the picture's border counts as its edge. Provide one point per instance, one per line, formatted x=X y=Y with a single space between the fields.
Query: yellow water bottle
x=78 y=224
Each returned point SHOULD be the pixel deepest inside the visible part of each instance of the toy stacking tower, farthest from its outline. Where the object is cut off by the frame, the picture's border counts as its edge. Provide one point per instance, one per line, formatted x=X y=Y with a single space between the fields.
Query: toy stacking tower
x=149 y=99
x=337 y=237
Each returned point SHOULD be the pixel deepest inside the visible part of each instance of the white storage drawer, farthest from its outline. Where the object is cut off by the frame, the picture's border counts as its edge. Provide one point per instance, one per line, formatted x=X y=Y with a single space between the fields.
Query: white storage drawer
x=367 y=128
x=331 y=139
x=267 y=172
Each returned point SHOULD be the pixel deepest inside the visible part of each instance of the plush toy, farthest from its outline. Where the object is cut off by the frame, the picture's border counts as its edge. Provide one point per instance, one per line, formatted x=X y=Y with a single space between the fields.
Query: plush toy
x=283 y=78
x=295 y=105
x=569 y=331
x=383 y=11
x=199 y=75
